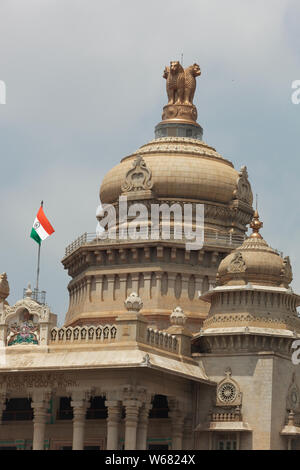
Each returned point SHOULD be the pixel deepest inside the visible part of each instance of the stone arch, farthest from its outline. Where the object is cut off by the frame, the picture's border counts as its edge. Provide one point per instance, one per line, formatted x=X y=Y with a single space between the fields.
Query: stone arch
x=128 y=284
x=164 y=284
x=205 y=284
x=104 y=287
x=178 y=286
x=191 y=287
x=116 y=286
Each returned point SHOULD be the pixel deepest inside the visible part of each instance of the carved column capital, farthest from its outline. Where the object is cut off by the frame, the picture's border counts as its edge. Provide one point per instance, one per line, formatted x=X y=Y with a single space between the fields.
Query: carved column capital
x=132 y=410
x=114 y=409
x=80 y=401
x=144 y=413
x=40 y=404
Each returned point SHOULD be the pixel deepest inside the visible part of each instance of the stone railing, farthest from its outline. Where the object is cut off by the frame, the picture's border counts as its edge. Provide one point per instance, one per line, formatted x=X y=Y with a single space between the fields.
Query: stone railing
x=226 y=416
x=211 y=238
x=83 y=334
x=162 y=340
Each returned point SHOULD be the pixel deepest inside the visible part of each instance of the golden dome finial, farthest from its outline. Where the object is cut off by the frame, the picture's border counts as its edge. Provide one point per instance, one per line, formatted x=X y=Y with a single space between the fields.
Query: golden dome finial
x=256 y=225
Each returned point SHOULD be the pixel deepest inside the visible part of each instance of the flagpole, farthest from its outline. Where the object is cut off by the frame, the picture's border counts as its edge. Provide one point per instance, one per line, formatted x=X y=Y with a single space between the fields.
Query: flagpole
x=38 y=263
x=38 y=268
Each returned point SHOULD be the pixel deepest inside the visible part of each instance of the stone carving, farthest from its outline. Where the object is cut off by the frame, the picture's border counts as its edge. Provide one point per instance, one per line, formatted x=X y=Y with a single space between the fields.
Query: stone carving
x=131 y=392
x=228 y=391
x=190 y=74
x=175 y=77
x=243 y=190
x=293 y=396
x=146 y=360
x=286 y=272
x=33 y=307
x=138 y=178
x=237 y=264
x=178 y=317
x=181 y=86
x=4 y=287
x=133 y=303
x=91 y=333
x=25 y=332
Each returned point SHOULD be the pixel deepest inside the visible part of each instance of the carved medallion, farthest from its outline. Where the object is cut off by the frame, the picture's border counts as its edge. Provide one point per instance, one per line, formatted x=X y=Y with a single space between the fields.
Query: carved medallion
x=139 y=177
x=237 y=264
x=228 y=391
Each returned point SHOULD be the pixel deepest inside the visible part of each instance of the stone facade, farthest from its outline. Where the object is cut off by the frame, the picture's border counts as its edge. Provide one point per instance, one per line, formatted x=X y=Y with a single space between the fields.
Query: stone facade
x=163 y=347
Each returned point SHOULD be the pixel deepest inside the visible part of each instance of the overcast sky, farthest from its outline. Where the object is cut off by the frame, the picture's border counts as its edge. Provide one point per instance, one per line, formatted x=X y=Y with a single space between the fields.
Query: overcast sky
x=85 y=88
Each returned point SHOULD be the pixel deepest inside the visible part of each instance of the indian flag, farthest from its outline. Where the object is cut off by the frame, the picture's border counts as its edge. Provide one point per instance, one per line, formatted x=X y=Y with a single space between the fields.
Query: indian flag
x=41 y=228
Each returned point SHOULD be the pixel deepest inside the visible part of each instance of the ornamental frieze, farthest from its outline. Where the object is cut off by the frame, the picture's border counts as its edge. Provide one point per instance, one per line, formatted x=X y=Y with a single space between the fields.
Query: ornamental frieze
x=31 y=381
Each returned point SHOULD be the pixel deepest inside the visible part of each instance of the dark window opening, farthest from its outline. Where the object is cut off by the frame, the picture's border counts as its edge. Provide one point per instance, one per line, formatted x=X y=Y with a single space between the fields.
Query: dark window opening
x=160 y=407
x=91 y=448
x=158 y=447
x=226 y=442
x=97 y=409
x=18 y=409
x=65 y=410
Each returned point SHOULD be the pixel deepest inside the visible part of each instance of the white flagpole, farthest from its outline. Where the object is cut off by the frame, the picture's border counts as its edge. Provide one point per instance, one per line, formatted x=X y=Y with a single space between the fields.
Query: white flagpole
x=38 y=263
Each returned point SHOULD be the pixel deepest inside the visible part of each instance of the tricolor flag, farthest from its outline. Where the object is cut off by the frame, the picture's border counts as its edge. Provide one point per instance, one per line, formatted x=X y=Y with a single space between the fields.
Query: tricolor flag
x=41 y=228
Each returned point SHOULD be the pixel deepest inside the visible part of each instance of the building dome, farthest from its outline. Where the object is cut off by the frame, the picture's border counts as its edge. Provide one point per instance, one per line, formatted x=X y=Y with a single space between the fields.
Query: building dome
x=255 y=262
x=175 y=169
x=182 y=168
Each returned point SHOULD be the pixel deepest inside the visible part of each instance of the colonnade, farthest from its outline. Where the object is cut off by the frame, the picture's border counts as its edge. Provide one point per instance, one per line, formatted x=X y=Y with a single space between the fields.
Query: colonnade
x=134 y=403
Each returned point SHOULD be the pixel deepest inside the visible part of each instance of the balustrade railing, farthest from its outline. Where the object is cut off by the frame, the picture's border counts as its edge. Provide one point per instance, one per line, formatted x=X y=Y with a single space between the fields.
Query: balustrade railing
x=226 y=416
x=161 y=339
x=86 y=334
x=211 y=238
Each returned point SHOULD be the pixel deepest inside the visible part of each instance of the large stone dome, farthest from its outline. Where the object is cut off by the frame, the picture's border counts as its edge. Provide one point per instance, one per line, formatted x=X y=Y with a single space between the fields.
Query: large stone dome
x=182 y=168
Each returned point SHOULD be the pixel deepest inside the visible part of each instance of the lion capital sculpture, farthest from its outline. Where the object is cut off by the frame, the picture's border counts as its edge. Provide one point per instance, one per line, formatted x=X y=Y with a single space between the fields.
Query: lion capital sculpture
x=181 y=83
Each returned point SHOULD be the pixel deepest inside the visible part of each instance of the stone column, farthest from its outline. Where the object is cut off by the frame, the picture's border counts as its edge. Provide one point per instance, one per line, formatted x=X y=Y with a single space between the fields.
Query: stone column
x=114 y=410
x=40 y=405
x=123 y=280
x=188 y=437
x=147 y=284
x=2 y=405
x=142 y=430
x=135 y=282
x=177 y=418
x=132 y=414
x=79 y=403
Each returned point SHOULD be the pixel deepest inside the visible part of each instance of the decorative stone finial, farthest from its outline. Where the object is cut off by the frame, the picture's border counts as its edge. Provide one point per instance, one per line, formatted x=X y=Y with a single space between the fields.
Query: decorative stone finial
x=28 y=292
x=291 y=418
x=4 y=287
x=256 y=225
x=178 y=317
x=133 y=303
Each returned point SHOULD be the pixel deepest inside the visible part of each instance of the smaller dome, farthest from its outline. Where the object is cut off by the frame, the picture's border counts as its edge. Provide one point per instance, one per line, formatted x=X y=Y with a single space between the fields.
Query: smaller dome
x=255 y=262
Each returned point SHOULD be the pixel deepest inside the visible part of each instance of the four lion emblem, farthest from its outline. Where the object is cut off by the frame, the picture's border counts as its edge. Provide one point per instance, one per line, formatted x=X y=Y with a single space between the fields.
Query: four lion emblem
x=181 y=83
